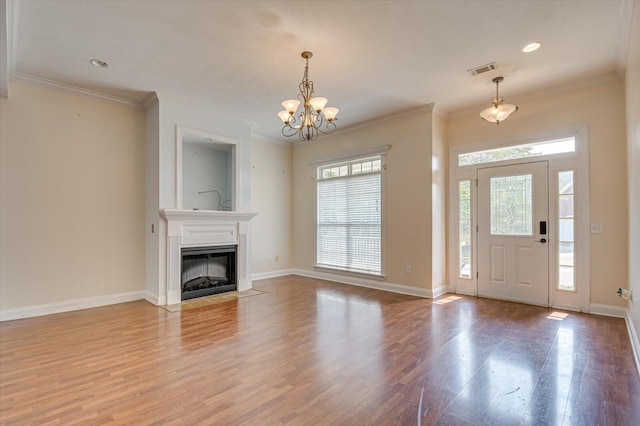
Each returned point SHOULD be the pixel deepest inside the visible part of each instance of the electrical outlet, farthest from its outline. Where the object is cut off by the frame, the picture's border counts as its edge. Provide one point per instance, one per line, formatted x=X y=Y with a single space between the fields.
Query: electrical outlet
x=270 y=259
x=407 y=269
x=277 y=258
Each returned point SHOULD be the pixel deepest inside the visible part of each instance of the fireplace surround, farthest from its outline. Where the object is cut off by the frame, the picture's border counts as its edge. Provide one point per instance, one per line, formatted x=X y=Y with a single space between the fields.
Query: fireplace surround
x=205 y=228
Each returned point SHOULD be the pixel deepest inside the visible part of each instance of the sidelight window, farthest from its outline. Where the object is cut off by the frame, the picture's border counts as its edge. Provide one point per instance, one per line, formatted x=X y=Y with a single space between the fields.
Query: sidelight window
x=464 y=228
x=566 y=232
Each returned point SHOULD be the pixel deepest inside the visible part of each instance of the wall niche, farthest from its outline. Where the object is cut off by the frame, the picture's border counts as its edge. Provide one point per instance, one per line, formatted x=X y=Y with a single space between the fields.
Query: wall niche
x=207 y=164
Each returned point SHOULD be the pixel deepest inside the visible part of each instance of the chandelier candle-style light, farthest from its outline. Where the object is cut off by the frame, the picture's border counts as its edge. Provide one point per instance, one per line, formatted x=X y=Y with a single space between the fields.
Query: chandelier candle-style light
x=499 y=111
x=314 y=114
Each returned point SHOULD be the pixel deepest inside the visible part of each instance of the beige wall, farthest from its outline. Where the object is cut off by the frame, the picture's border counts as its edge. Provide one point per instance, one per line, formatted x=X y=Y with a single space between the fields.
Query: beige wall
x=632 y=86
x=71 y=198
x=271 y=189
x=408 y=193
x=601 y=107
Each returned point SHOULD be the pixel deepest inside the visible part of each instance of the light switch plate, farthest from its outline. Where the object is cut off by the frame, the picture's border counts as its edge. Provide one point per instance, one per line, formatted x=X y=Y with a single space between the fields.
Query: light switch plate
x=596 y=228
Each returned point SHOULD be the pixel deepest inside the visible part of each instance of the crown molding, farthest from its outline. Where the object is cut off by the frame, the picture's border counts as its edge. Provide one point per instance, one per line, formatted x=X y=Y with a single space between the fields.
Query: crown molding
x=557 y=90
x=189 y=103
x=625 y=36
x=267 y=139
x=151 y=100
x=428 y=108
x=74 y=90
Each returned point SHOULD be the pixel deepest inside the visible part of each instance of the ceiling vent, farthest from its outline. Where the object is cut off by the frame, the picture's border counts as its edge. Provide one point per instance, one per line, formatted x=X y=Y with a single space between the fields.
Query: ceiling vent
x=482 y=68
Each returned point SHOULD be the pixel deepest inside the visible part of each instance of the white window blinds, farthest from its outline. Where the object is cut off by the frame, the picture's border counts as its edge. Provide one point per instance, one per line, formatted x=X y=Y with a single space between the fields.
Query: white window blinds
x=349 y=216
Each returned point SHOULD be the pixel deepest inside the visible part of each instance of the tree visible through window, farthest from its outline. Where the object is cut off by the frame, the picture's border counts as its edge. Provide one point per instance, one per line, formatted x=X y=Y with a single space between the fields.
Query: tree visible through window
x=349 y=216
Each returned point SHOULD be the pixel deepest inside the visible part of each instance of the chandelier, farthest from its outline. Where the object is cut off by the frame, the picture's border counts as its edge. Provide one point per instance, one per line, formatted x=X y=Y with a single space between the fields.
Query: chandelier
x=307 y=125
x=498 y=111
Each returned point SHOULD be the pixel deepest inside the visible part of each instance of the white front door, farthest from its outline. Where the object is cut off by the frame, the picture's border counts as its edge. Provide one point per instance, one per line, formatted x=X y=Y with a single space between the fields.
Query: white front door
x=513 y=240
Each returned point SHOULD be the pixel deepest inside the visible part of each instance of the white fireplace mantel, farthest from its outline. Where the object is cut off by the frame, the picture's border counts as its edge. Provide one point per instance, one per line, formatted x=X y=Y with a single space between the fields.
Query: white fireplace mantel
x=204 y=228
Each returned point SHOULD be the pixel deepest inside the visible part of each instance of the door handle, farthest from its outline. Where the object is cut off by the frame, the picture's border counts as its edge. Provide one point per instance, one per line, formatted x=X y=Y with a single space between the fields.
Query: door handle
x=542 y=240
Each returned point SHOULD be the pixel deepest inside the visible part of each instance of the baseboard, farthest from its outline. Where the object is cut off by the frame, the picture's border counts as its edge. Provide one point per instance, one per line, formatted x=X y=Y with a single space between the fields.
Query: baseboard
x=439 y=291
x=271 y=274
x=374 y=284
x=633 y=336
x=154 y=298
x=608 y=310
x=70 y=305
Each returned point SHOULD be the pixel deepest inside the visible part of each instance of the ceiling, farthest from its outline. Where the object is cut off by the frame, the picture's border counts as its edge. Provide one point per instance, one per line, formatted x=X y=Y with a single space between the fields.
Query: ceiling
x=371 y=58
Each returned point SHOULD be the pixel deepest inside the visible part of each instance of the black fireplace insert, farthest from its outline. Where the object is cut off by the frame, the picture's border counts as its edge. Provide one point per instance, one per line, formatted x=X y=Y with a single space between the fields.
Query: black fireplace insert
x=208 y=270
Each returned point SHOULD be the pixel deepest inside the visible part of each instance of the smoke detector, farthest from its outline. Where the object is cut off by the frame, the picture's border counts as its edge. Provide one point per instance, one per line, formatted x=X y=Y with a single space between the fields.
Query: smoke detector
x=482 y=69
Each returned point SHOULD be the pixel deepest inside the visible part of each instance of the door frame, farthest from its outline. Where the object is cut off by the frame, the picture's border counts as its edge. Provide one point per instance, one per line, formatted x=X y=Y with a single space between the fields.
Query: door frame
x=578 y=161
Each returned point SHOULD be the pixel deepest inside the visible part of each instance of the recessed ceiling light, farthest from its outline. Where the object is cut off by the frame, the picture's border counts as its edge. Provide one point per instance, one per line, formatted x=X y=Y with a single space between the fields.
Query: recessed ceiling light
x=531 y=47
x=98 y=63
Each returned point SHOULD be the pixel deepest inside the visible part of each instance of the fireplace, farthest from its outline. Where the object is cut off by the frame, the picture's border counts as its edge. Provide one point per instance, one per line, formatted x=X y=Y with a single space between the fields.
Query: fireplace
x=207 y=271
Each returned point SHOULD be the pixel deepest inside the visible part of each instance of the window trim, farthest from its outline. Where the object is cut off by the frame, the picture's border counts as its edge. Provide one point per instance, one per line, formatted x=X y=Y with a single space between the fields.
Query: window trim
x=317 y=163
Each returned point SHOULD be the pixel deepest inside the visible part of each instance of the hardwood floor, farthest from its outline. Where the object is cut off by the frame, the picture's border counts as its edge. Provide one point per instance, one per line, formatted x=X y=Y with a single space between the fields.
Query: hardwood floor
x=314 y=352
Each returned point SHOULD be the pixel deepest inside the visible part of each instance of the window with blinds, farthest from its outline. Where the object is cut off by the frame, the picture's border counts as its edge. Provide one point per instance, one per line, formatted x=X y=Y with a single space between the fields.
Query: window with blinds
x=349 y=215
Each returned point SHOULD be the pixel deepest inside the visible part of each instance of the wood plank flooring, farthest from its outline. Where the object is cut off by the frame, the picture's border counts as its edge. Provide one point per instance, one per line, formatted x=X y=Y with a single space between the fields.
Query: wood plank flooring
x=311 y=352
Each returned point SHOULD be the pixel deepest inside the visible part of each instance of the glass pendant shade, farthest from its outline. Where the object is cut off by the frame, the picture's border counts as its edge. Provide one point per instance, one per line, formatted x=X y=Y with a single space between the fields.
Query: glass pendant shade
x=284 y=116
x=291 y=105
x=330 y=113
x=318 y=103
x=498 y=113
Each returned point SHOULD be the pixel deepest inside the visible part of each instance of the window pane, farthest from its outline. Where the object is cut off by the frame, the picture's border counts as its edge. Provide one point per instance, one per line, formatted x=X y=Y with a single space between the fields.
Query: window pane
x=565 y=182
x=565 y=206
x=565 y=254
x=465 y=267
x=464 y=228
x=557 y=146
x=565 y=278
x=566 y=229
x=511 y=205
x=566 y=224
x=356 y=168
x=465 y=199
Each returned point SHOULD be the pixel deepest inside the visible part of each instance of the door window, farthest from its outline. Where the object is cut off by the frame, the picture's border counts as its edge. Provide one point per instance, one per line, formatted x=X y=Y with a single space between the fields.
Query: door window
x=511 y=205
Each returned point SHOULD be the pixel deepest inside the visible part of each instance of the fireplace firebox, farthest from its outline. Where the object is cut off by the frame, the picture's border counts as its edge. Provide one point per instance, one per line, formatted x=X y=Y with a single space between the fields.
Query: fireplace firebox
x=208 y=270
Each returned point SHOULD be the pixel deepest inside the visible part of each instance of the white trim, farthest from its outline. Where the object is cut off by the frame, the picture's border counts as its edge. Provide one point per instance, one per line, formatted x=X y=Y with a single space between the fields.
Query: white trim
x=578 y=160
x=377 y=121
x=70 y=305
x=565 y=307
x=74 y=90
x=154 y=299
x=625 y=36
x=633 y=336
x=150 y=101
x=607 y=310
x=181 y=132
x=266 y=139
x=374 y=284
x=271 y=274
x=351 y=155
x=206 y=215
